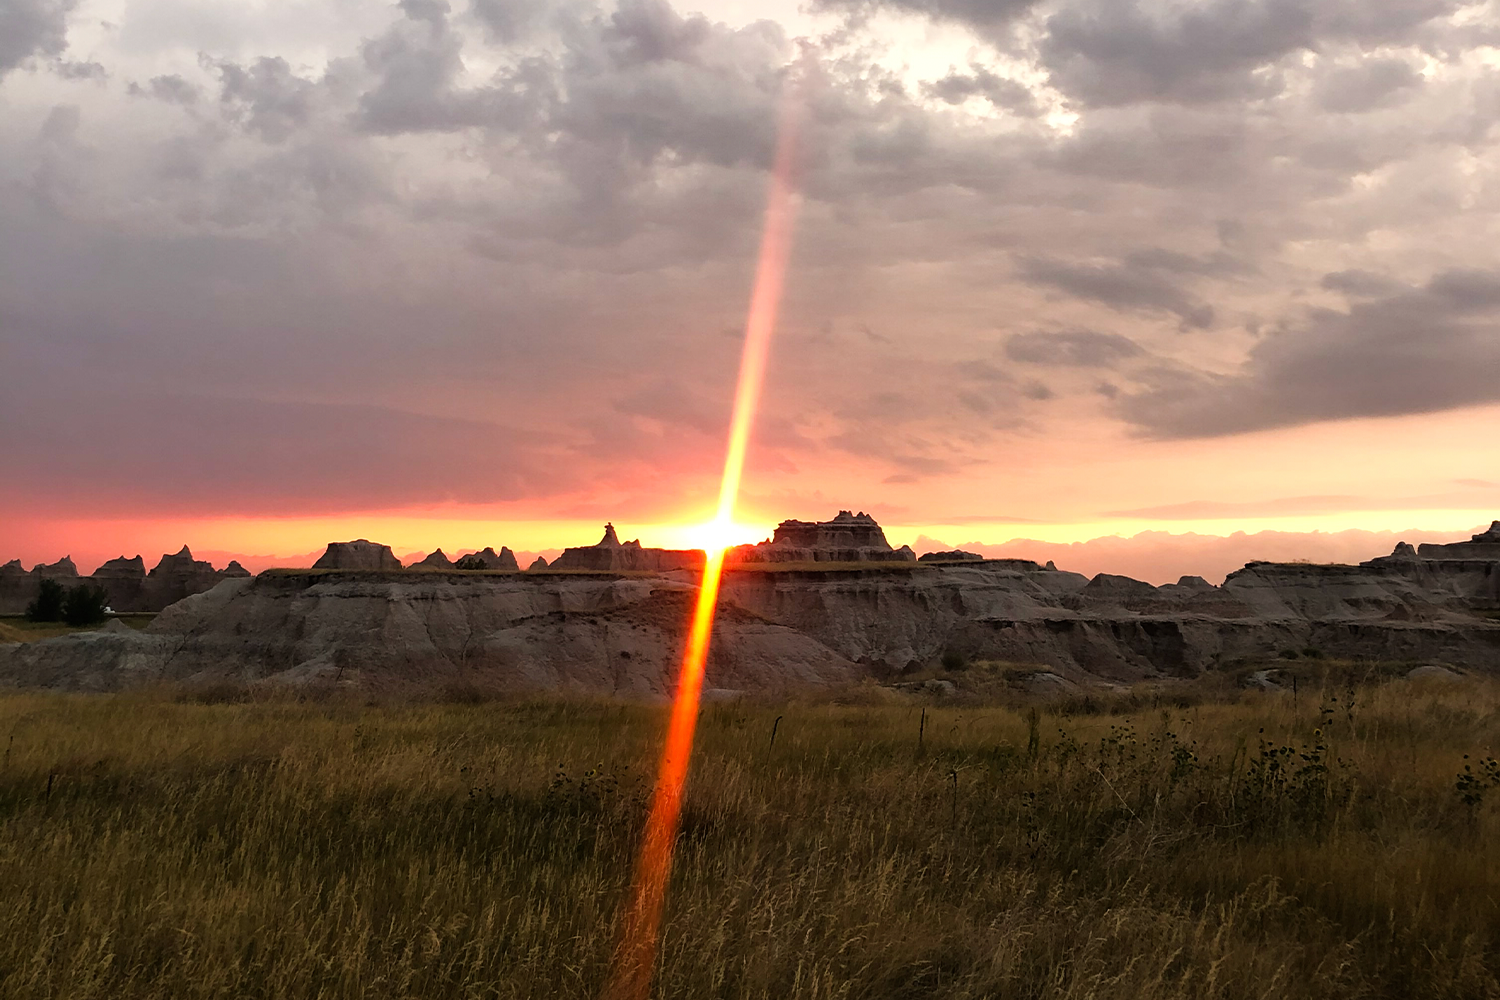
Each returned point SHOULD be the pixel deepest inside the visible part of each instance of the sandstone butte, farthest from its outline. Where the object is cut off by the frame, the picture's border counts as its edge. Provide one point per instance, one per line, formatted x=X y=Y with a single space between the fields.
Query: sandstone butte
x=784 y=620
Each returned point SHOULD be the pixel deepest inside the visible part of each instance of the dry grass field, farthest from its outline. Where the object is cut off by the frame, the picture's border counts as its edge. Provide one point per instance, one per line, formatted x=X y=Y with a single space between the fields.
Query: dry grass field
x=152 y=845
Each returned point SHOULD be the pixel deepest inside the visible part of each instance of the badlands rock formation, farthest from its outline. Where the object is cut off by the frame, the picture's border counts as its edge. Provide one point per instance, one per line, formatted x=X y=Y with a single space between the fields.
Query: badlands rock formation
x=126 y=584
x=610 y=556
x=956 y=555
x=848 y=538
x=435 y=560
x=489 y=559
x=1484 y=546
x=358 y=554
x=781 y=626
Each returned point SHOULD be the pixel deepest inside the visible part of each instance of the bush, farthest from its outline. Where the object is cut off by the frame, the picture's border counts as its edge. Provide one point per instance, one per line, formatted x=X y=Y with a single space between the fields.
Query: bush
x=954 y=661
x=470 y=562
x=84 y=605
x=48 y=606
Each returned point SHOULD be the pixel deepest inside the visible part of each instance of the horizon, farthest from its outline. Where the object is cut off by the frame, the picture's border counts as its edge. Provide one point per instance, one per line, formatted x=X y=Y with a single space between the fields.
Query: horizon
x=1154 y=556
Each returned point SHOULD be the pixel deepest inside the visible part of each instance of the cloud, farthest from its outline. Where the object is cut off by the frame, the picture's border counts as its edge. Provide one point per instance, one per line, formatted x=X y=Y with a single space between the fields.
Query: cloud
x=1107 y=53
x=1002 y=92
x=266 y=96
x=989 y=17
x=180 y=453
x=1072 y=349
x=1371 y=84
x=1418 y=350
x=32 y=27
x=1131 y=286
x=172 y=89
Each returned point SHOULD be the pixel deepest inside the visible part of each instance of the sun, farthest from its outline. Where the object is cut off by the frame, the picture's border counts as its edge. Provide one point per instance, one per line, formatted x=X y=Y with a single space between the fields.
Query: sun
x=716 y=535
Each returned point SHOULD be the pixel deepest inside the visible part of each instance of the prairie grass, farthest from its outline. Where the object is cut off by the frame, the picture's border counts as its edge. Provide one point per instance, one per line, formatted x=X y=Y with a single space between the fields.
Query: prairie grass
x=155 y=846
x=15 y=628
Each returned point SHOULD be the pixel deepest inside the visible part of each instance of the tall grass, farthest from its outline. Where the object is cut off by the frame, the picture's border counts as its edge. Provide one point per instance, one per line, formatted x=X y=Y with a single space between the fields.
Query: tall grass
x=151 y=847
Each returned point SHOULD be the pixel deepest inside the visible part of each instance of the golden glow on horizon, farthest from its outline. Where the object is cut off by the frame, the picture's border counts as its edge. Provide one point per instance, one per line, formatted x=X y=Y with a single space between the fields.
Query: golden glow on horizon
x=296 y=541
x=636 y=958
x=718 y=535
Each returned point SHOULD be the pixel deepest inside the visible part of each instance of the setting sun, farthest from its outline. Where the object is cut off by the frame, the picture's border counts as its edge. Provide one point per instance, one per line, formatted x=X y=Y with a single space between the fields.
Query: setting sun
x=716 y=535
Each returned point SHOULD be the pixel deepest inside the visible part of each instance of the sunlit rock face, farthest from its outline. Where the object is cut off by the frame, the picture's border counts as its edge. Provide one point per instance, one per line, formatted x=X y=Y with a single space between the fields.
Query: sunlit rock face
x=848 y=537
x=610 y=555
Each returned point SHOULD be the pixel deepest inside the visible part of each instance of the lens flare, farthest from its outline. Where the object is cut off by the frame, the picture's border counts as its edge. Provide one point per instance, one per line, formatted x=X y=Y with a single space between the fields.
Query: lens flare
x=636 y=957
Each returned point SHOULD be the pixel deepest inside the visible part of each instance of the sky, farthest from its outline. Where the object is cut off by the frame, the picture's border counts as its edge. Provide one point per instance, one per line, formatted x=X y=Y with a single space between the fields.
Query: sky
x=1197 y=280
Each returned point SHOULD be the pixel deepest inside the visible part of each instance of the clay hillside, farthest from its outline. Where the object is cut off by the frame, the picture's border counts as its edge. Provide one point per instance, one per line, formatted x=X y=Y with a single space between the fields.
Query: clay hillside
x=612 y=619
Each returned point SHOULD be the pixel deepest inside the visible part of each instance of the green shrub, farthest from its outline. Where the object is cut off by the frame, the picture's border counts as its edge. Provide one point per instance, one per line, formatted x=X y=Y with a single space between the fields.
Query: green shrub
x=48 y=606
x=84 y=605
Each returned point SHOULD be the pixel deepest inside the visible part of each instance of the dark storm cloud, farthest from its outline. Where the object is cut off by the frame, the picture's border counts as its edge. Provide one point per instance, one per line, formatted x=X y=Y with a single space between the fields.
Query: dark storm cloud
x=1072 y=349
x=1419 y=350
x=1131 y=286
x=32 y=27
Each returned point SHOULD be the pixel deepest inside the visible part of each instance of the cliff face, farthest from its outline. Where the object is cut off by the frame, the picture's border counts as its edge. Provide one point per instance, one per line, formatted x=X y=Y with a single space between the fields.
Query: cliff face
x=847 y=538
x=1483 y=546
x=780 y=628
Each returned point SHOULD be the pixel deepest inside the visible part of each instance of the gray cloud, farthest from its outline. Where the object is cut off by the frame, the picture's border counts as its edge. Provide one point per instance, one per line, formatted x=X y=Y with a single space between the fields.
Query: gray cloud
x=987 y=16
x=1072 y=349
x=1113 y=52
x=1418 y=350
x=266 y=96
x=1373 y=83
x=1002 y=92
x=172 y=89
x=1130 y=286
x=32 y=27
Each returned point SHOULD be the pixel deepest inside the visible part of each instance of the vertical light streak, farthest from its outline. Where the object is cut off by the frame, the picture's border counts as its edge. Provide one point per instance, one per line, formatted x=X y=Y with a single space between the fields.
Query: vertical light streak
x=636 y=958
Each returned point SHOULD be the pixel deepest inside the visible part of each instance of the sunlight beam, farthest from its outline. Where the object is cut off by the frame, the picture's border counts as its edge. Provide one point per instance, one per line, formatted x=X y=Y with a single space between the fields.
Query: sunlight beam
x=636 y=957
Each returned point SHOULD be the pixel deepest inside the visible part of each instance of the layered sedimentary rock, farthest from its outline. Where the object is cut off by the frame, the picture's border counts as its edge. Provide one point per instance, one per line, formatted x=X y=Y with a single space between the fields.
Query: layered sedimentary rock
x=609 y=555
x=847 y=538
x=785 y=626
x=1485 y=546
x=360 y=554
x=537 y=565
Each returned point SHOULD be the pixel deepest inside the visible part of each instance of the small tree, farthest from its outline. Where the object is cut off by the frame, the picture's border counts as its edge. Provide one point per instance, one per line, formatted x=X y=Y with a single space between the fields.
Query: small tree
x=84 y=605
x=48 y=606
x=470 y=562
